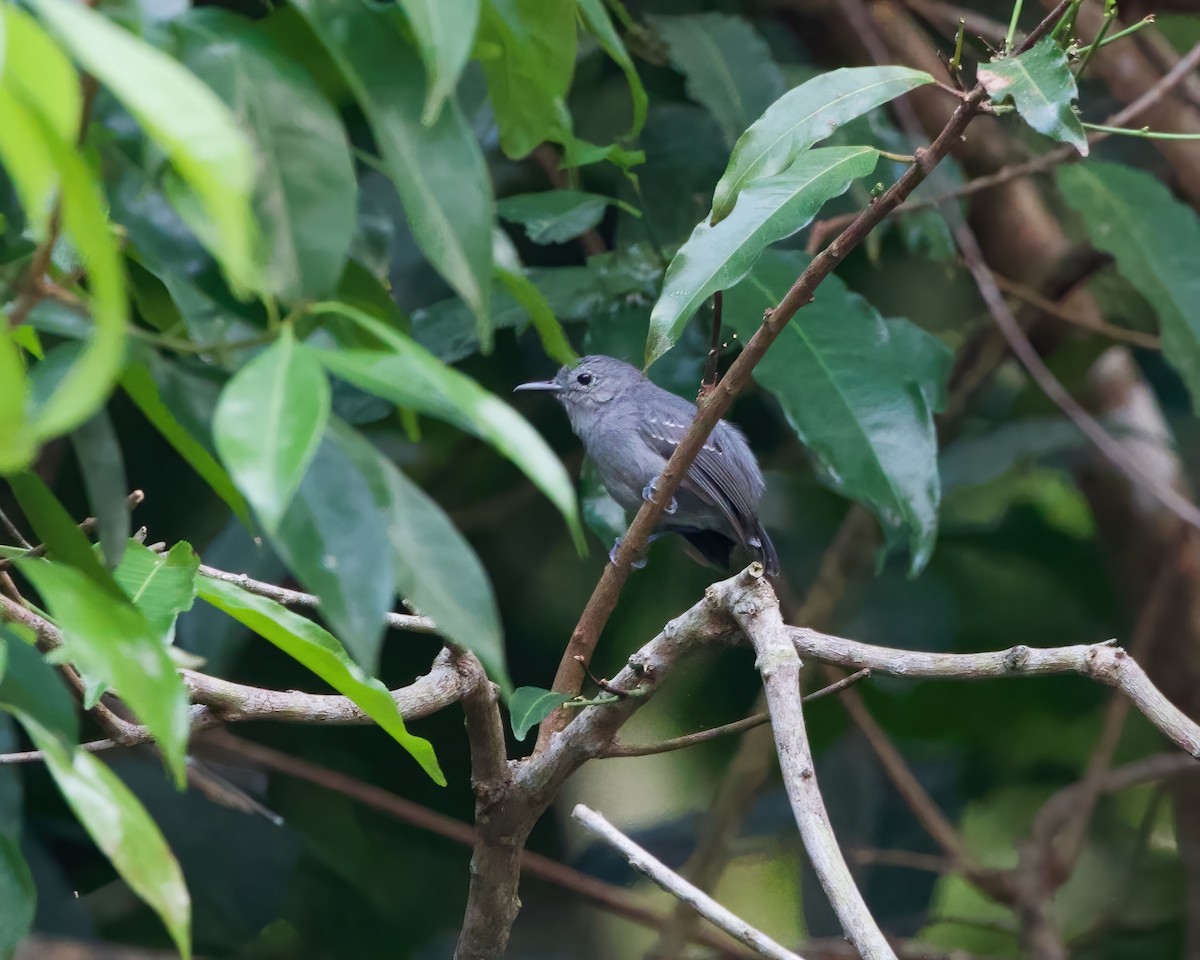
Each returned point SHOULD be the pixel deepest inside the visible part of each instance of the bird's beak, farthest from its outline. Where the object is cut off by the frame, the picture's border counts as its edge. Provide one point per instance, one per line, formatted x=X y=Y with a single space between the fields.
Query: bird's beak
x=547 y=386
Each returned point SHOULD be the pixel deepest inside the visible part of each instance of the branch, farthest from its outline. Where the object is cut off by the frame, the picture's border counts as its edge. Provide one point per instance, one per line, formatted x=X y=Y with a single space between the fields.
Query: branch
x=675 y=885
x=756 y=611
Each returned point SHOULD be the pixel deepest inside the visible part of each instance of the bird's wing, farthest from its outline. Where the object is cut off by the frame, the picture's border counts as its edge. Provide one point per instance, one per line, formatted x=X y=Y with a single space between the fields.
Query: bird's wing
x=714 y=475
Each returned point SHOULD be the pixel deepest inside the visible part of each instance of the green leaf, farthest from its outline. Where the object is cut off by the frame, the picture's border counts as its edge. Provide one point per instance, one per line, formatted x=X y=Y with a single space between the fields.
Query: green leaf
x=1153 y=237
x=438 y=170
x=860 y=392
x=319 y=652
x=180 y=114
x=527 y=49
x=268 y=424
x=529 y=706
x=54 y=527
x=17 y=893
x=120 y=827
x=728 y=66
x=554 y=216
x=305 y=193
x=99 y=454
x=803 y=116
x=32 y=685
x=142 y=389
x=549 y=330
x=410 y=376
x=111 y=641
x=17 y=446
x=444 y=31
x=715 y=257
x=161 y=585
x=1042 y=88
x=332 y=539
x=28 y=135
x=596 y=19
x=436 y=569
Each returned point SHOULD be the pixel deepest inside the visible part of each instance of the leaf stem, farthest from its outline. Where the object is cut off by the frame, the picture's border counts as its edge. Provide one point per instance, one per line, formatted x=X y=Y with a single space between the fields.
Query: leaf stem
x=1012 y=25
x=898 y=157
x=956 y=60
x=1144 y=132
x=1096 y=44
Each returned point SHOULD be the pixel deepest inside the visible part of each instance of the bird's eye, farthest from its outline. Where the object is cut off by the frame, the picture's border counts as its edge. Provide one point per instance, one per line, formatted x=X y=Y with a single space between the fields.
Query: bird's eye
x=583 y=379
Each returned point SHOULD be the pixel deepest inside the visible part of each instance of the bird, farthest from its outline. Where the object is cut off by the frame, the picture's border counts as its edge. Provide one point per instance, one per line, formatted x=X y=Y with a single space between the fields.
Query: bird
x=630 y=426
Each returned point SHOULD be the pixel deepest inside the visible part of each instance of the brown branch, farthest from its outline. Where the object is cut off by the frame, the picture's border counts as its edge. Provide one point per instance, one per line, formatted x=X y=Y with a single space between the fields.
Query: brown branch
x=87 y=526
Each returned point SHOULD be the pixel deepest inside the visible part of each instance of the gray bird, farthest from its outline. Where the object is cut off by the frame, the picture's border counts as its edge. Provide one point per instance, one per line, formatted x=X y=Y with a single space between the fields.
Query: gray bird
x=630 y=427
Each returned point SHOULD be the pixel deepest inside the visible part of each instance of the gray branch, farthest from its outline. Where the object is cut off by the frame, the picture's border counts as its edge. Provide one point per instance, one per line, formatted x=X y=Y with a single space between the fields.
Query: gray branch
x=675 y=885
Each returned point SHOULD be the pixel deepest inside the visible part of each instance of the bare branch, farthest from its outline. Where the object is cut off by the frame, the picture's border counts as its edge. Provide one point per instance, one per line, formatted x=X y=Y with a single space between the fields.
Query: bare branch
x=675 y=885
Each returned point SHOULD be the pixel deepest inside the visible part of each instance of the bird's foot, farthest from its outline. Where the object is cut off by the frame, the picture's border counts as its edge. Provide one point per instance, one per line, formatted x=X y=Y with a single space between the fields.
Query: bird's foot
x=650 y=491
x=612 y=555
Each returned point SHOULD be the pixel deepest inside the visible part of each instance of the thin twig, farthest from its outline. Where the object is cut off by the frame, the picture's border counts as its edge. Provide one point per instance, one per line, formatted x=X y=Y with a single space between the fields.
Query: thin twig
x=675 y=885
x=87 y=526
x=619 y=749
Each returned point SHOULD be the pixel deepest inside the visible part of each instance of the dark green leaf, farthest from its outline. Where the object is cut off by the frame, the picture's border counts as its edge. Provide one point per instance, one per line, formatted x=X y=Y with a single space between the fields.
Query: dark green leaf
x=556 y=215
x=61 y=535
x=529 y=706
x=436 y=569
x=806 y=115
x=716 y=257
x=313 y=647
x=110 y=641
x=859 y=390
x=121 y=828
x=32 y=685
x=1042 y=88
x=332 y=539
x=728 y=66
x=1153 y=236
x=598 y=22
x=438 y=170
x=445 y=31
x=527 y=48
x=103 y=468
x=182 y=116
x=161 y=585
x=600 y=511
x=268 y=424
x=17 y=893
x=305 y=192
x=138 y=382
x=411 y=377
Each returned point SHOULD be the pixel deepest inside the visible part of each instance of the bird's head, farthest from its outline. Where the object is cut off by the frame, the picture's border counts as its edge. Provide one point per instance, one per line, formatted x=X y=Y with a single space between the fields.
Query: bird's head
x=589 y=384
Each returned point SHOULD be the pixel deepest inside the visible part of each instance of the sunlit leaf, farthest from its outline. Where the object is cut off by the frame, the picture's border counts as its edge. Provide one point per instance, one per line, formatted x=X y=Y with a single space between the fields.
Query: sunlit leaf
x=860 y=392
x=806 y=115
x=305 y=191
x=727 y=63
x=527 y=48
x=438 y=170
x=17 y=445
x=317 y=650
x=410 y=376
x=121 y=828
x=184 y=117
x=1153 y=236
x=1042 y=88
x=715 y=257
x=529 y=706
x=111 y=641
x=268 y=424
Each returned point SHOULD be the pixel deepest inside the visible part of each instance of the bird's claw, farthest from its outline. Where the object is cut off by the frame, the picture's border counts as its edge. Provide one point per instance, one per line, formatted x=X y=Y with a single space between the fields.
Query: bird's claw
x=612 y=555
x=650 y=491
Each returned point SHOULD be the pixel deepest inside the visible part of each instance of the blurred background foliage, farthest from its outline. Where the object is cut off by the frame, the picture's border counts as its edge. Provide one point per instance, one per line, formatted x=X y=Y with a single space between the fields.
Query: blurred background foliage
x=348 y=106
